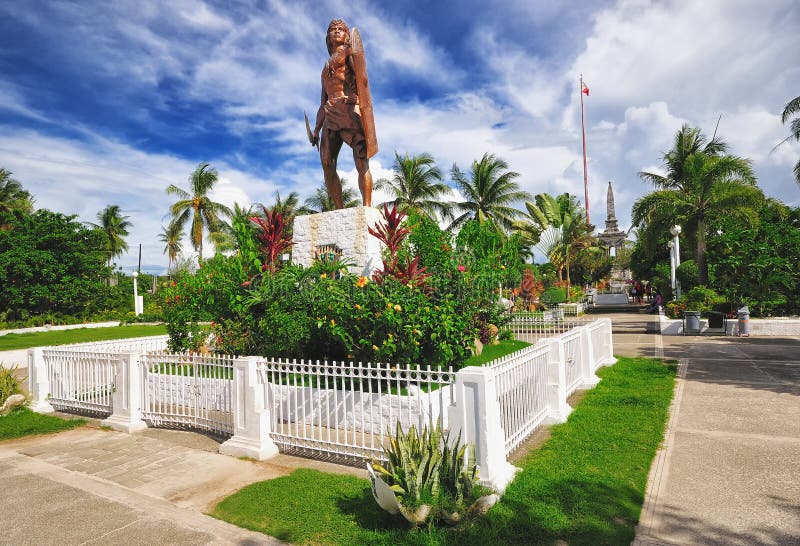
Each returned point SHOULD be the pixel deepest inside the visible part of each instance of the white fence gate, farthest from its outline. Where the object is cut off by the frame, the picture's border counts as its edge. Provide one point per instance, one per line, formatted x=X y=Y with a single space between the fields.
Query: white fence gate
x=343 y=409
x=80 y=381
x=188 y=391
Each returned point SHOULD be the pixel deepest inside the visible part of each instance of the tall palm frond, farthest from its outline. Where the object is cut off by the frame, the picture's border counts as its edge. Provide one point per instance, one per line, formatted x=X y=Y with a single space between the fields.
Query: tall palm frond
x=205 y=214
x=172 y=237
x=12 y=195
x=322 y=202
x=490 y=190
x=701 y=182
x=791 y=110
x=417 y=185
x=115 y=226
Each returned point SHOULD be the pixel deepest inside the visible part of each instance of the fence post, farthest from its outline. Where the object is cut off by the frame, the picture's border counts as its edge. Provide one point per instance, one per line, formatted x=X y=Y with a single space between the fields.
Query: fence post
x=38 y=381
x=557 y=408
x=127 y=398
x=609 y=359
x=477 y=415
x=588 y=378
x=251 y=420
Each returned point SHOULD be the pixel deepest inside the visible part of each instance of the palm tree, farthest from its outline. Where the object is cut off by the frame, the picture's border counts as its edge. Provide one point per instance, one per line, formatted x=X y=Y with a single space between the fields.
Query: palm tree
x=701 y=182
x=115 y=226
x=12 y=196
x=792 y=110
x=417 y=185
x=171 y=236
x=205 y=213
x=490 y=190
x=564 y=230
x=321 y=201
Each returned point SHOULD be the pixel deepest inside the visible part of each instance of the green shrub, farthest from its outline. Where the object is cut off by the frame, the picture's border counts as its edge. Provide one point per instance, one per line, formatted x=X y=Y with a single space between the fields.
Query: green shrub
x=553 y=296
x=9 y=383
x=687 y=274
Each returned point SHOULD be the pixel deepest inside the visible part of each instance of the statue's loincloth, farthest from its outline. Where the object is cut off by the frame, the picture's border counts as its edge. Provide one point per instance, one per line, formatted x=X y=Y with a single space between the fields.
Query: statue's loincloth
x=345 y=119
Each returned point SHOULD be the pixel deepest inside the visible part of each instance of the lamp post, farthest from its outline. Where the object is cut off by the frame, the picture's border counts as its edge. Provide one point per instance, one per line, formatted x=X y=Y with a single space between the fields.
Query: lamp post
x=138 y=301
x=676 y=251
x=670 y=246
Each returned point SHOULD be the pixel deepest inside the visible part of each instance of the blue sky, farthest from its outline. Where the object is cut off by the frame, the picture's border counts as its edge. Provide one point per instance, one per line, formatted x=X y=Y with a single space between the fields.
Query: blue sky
x=110 y=102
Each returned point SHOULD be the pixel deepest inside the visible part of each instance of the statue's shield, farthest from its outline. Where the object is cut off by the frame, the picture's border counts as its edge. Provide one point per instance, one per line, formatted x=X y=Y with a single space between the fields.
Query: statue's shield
x=364 y=96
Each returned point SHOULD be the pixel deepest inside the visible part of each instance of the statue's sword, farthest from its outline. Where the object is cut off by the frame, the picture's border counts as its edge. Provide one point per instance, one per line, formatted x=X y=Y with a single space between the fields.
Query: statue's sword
x=308 y=131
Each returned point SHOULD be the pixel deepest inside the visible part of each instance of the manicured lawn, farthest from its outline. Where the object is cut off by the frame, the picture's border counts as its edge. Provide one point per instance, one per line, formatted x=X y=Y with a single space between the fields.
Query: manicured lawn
x=491 y=352
x=583 y=486
x=10 y=342
x=24 y=422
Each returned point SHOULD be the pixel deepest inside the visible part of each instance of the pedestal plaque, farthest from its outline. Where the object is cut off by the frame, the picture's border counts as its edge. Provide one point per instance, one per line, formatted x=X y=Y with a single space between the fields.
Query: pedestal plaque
x=339 y=233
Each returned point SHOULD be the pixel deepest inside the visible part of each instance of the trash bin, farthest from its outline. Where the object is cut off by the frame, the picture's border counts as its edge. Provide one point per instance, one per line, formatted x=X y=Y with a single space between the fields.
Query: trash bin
x=744 y=321
x=691 y=322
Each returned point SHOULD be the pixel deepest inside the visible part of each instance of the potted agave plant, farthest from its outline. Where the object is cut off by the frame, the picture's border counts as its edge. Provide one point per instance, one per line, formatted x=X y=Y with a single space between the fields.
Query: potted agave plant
x=426 y=476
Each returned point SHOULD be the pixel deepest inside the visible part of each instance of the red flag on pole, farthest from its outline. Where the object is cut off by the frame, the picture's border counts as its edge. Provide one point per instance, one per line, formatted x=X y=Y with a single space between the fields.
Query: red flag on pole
x=584 y=89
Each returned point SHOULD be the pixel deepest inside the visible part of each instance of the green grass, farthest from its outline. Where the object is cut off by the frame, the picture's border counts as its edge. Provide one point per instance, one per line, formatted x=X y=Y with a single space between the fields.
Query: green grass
x=491 y=352
x=10 y=342
x=23 y=422
x=584 y=486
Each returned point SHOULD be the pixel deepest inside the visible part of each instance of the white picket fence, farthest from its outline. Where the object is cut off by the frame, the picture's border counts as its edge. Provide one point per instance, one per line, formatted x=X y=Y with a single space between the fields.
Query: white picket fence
x=81 y=377
x=188 y=390
x=522 y=392
x=325 y=409
x=344 y=409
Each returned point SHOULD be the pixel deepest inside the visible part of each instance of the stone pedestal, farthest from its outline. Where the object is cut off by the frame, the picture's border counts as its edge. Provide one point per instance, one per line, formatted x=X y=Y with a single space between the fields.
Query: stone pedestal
x=339 y=232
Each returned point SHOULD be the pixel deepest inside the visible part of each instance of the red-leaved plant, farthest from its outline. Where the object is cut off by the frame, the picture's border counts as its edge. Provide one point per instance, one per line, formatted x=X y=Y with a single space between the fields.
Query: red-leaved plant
x=391 y=233
x=273 y=237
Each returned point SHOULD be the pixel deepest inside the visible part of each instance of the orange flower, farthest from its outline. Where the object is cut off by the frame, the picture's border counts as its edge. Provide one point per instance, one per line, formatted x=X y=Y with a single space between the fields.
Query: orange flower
x=362 y=282
x=357 y=307
x=397 y=308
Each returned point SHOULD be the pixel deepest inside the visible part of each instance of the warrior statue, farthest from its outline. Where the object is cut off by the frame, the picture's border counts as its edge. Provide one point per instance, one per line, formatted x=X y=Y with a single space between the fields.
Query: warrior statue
x=345 y=112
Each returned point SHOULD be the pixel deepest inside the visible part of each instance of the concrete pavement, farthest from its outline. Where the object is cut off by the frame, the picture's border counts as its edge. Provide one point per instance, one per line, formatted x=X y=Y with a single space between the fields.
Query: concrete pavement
x=729 y=470
x=95 y=486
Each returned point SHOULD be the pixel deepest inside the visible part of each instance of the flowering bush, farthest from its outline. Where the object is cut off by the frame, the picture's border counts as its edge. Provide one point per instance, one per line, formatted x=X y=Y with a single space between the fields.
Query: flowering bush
x=301 y=314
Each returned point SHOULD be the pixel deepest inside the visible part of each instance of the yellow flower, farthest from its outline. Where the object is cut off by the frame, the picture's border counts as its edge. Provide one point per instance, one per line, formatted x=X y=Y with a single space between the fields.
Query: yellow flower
x=398 y=308
x=389 y=305
x=374 y=347
x=333 y=322
x=502 y=267
x=358 y=307
x=362 y=282
x=323 y=276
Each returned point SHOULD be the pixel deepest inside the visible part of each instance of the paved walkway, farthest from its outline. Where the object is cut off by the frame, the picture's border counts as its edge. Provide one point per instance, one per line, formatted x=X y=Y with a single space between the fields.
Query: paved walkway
x=729 y=470
x=92 y=486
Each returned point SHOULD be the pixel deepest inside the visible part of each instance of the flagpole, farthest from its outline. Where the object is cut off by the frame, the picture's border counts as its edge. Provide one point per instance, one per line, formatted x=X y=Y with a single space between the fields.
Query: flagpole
x=585 y=175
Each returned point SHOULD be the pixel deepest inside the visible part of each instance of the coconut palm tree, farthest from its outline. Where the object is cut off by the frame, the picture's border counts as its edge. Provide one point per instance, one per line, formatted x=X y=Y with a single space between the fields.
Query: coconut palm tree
x=115 y=226
x=701 y=182
x=417 y=185
x=172 y=237
x=792 y=110
x=490 y=190
x=321 y=201
x=205 y=213
x=12 y=196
